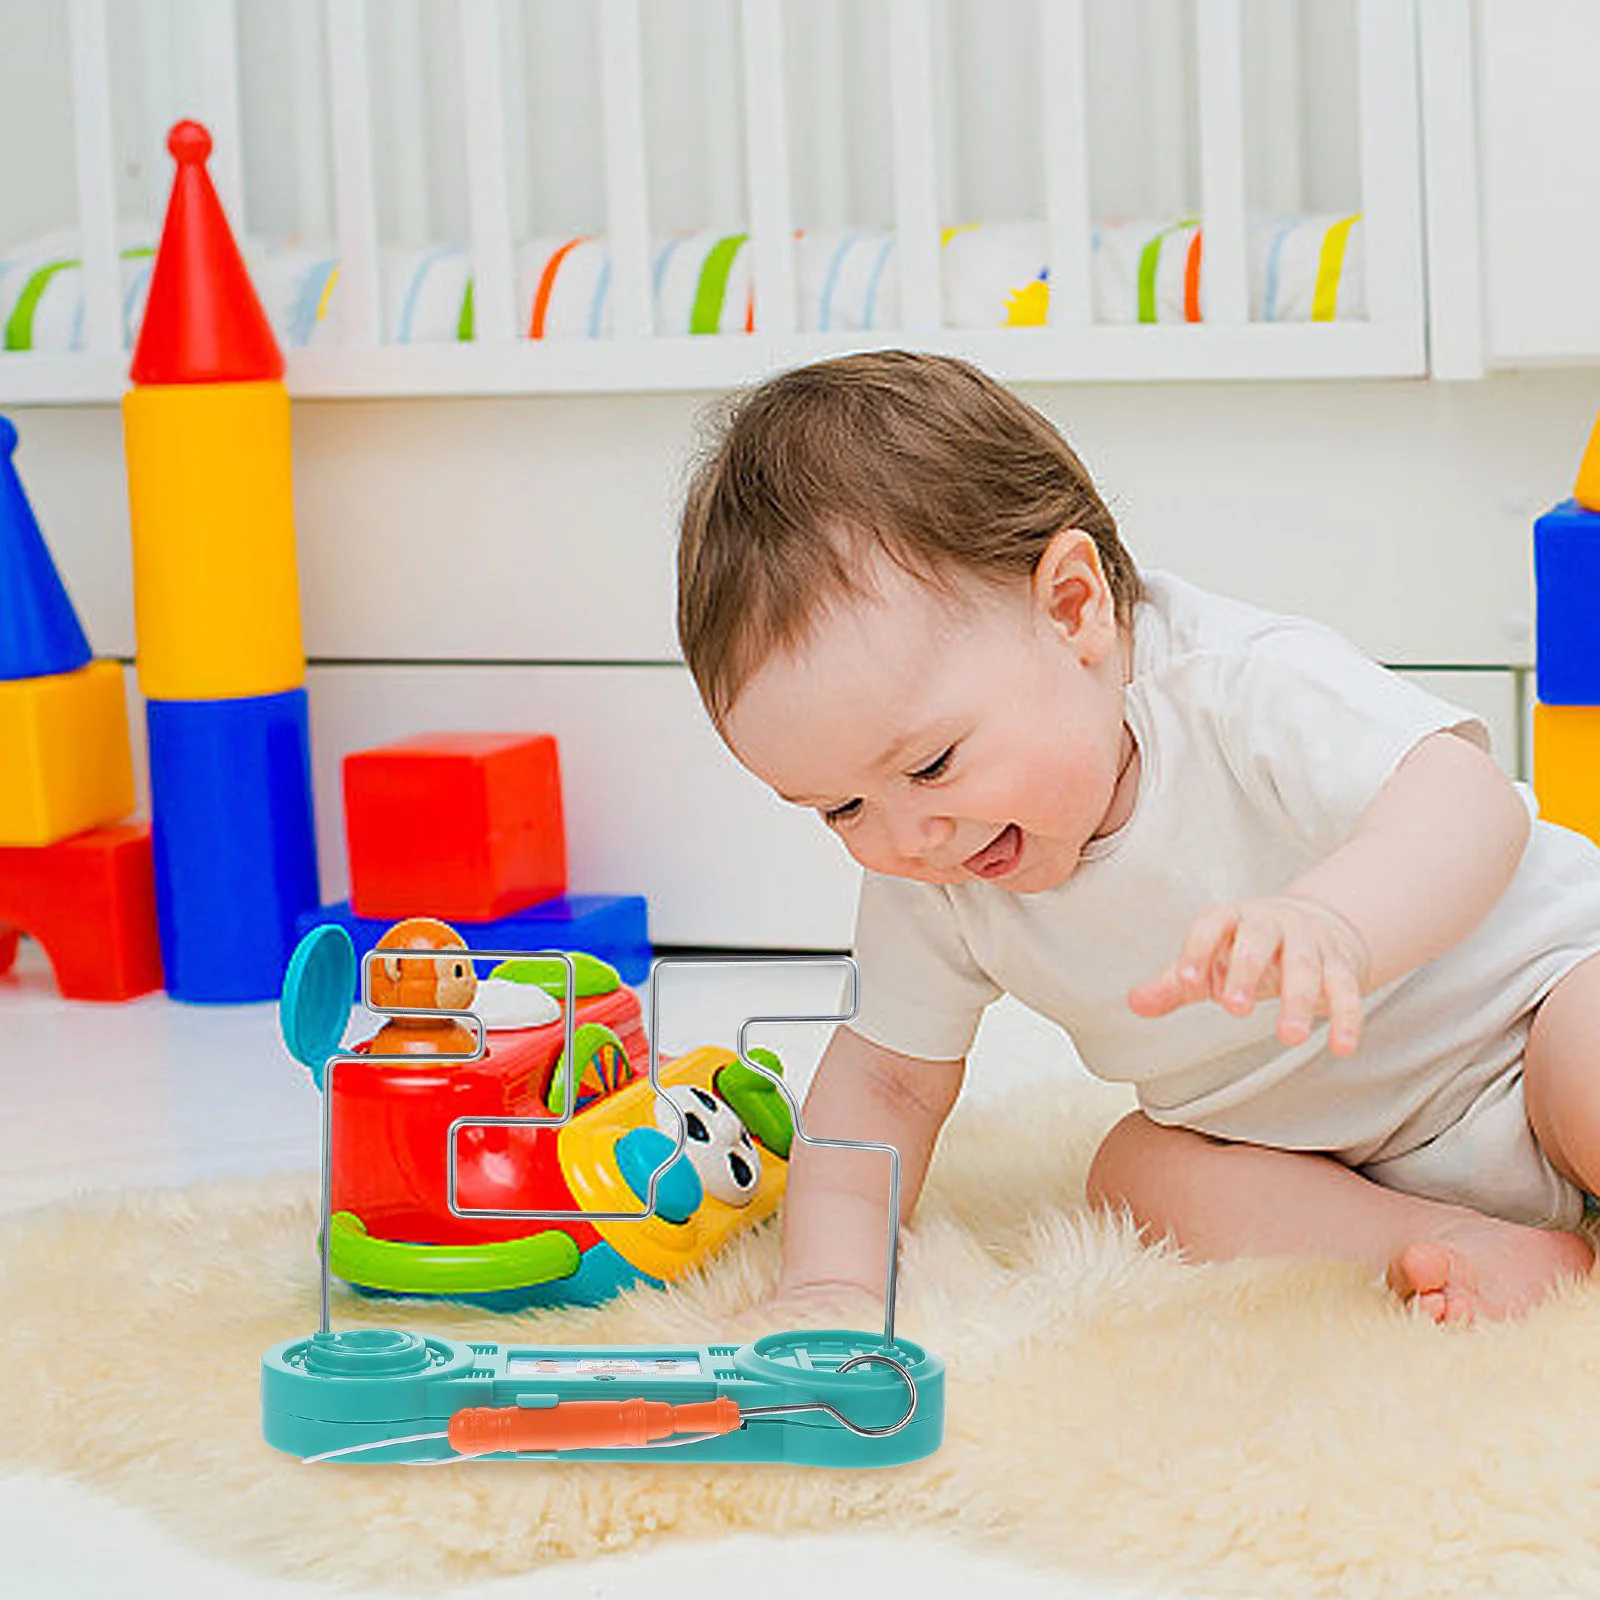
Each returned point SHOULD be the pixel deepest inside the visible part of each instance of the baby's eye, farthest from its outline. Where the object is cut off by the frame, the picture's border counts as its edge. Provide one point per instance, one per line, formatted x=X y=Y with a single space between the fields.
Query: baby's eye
x=936 y=768
x=841 y=813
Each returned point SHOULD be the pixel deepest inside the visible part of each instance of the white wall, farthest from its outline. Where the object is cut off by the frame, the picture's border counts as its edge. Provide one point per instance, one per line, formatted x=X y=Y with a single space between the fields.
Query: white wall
x=1299 y=108
x=509 y=564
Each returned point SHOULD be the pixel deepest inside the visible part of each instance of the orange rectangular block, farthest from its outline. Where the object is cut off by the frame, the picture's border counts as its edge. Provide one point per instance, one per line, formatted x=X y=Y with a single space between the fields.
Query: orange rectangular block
x=90 y=901
x=1566 y=766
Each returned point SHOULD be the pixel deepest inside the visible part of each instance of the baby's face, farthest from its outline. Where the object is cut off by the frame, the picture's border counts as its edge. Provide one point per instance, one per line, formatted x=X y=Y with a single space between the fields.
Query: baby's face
x=952 y=742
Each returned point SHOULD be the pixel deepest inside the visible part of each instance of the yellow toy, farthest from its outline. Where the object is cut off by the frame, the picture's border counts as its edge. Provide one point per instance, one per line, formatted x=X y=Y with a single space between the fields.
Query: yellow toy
x=216 y=594
x=590 y=1147
x=65 y=755
x=65 y=762
x=399 y=1149
x=216 y=605
x=1566 y=766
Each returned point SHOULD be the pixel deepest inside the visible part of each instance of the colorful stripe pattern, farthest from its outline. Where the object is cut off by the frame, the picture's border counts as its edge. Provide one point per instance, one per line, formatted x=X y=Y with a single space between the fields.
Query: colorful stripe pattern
x=19 y=333
x=706 y=314
x=547 y=285
x=1330 y=268
x=1302 y=268
x=1150 y=264
x=1191 y=277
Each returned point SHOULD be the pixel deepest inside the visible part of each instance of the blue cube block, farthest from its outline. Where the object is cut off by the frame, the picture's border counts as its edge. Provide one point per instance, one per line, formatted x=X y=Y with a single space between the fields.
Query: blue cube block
x=611 y=926
x=1566 y=561
x=234 y=842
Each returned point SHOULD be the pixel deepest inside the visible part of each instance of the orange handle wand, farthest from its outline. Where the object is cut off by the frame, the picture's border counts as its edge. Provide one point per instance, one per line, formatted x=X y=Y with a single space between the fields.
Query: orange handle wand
x=586 y=1424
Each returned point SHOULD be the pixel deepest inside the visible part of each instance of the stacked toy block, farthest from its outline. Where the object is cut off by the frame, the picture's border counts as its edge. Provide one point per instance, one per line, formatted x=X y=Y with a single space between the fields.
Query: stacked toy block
x=72 y=874
x=217 y=608
x=1566 y=717
x=469 y=827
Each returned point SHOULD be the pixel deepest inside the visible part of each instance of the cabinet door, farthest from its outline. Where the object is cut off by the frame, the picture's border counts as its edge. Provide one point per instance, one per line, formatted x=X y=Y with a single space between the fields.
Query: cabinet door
x=1540 y=145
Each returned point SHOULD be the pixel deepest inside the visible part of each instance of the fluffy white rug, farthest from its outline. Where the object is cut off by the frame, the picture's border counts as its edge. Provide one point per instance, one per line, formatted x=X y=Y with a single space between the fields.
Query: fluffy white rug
x=1262 y=1427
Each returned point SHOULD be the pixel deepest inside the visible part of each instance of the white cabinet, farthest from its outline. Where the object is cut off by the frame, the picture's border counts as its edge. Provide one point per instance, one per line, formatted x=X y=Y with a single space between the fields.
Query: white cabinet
x=1539 y=127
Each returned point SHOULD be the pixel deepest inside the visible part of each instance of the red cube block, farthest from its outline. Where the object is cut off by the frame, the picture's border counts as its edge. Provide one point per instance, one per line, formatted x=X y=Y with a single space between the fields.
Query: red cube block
x=464 y=826
x=90 y=901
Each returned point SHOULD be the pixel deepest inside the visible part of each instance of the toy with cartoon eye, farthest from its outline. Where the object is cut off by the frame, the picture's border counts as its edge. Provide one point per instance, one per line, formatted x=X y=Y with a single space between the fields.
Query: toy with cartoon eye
x=393 y=1231
x=718 y=1145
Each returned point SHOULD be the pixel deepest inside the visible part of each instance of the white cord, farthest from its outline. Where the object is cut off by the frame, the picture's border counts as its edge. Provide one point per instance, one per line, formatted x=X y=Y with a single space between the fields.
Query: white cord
x=446 y=1461
x=371 y=1444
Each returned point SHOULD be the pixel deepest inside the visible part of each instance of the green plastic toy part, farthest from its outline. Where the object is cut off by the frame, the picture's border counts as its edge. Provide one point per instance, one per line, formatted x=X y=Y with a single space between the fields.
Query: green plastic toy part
x=592 y=976
x=593 y=1045
x=448 y=1268
x=757 y=1101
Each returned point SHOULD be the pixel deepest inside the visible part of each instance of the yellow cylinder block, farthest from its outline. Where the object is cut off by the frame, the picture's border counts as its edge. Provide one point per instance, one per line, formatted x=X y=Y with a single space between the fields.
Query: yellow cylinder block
x=216 y=593
x=1566 y=766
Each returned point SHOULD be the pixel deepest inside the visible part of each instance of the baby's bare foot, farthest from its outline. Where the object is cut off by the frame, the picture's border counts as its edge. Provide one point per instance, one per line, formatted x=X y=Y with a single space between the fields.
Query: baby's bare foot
x=1482 y=1267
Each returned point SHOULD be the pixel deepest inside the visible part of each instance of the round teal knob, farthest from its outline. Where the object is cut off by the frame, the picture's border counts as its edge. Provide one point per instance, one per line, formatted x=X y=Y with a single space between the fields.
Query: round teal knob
x=366 y=1353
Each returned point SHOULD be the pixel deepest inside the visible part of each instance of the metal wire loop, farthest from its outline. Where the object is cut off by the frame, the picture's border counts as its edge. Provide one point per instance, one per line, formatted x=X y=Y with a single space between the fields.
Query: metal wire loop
x=881 y=1356
x=844 y=1013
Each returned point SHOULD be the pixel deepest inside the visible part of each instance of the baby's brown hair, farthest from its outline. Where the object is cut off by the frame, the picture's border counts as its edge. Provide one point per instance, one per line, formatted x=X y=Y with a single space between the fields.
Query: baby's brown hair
x=920 y=456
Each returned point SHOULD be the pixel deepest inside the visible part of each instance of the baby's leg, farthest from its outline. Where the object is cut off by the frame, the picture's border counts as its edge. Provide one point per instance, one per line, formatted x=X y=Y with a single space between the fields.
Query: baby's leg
x=1561 y=1075
x=1221 y=1200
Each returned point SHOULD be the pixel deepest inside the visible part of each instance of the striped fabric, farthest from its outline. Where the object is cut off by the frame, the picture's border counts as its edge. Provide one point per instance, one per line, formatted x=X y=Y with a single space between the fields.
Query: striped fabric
x=1302 y=269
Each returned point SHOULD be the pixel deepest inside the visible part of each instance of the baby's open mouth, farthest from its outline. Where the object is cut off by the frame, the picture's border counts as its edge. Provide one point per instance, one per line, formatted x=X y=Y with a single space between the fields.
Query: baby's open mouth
x=999 y=856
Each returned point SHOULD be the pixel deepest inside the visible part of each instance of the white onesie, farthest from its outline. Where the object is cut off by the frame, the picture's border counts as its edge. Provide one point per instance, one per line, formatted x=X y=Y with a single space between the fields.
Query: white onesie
x=1262 y=738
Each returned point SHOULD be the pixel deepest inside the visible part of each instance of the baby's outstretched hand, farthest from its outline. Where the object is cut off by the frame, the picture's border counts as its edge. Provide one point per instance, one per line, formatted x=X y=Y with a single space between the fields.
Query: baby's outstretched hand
x=1300 y=950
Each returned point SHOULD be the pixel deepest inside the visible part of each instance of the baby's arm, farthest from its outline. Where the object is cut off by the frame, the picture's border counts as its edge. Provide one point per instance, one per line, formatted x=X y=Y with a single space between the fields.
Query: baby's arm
x=1429 y=857
x=836 y=1215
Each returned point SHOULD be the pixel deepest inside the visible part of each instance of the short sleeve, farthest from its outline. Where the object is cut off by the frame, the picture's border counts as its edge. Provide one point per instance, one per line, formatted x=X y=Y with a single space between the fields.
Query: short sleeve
x=922 y=993
x=1314 y=728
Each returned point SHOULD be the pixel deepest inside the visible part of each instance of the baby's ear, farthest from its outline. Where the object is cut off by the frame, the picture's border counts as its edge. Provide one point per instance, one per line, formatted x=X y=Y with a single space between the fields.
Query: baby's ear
x=1071 y=589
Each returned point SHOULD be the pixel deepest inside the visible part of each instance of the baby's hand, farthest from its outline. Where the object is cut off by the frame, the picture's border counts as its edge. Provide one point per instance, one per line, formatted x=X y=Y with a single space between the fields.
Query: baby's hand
x=1298 y=949
x=824 y=1305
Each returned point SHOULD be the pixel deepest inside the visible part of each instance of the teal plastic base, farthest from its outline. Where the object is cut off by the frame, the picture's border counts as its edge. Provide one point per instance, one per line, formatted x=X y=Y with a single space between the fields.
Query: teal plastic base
x=366 y=1385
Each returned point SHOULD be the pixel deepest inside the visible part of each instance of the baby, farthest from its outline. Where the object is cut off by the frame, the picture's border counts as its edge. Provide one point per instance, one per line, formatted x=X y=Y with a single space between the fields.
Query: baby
x=1143 y=810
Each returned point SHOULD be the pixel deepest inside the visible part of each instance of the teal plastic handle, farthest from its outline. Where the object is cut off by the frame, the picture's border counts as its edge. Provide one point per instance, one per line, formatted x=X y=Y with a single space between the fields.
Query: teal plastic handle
x=315 y=1007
